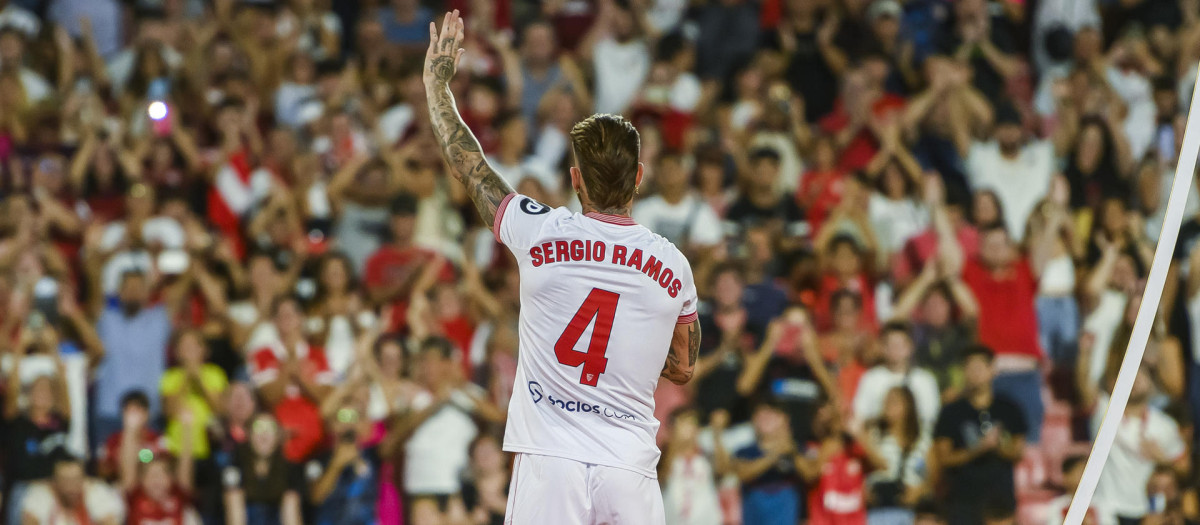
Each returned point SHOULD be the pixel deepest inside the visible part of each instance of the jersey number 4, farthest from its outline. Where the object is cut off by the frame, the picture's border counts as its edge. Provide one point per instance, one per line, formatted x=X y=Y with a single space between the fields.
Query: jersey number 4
x=600 y=305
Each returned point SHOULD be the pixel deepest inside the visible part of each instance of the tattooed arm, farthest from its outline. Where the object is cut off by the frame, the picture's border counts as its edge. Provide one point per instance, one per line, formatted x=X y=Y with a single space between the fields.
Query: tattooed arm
x=459 y=147
x=685 y=348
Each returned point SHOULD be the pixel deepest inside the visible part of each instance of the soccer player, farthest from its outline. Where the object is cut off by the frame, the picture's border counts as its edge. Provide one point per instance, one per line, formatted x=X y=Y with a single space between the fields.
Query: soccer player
x=605 y=303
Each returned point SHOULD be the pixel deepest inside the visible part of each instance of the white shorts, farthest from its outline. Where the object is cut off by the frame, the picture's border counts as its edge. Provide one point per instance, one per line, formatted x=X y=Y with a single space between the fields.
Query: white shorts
x=551 y=490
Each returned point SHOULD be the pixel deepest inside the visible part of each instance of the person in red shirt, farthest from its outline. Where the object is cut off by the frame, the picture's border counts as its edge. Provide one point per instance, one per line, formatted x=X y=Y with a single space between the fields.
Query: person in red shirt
x=846 y=263
x=861 y=108
x=293 y=379
x=135 y=412
x=847 y=345
x=835 y=467
x=1005 y=284
x=156 y=492
x=821 y=187
x=947 y=207
x=394 y=269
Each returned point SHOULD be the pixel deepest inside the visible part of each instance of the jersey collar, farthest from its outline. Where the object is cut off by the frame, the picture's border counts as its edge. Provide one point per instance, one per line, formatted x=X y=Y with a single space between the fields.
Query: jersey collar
x=620 y=220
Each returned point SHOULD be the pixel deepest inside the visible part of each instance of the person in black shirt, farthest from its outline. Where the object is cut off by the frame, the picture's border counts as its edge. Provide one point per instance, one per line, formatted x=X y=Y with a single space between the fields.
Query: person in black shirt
x=261 y=486
x=978 y=439
x=485 y=485
x=33 y=435
x=723 y=316
x=810 y=38
x=984 y=42
x=760 y=203
x=930 y=302
x=788 y=370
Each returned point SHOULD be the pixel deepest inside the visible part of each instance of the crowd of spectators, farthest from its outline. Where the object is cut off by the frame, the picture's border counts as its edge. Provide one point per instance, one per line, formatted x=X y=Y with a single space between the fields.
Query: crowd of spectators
x=237 y=284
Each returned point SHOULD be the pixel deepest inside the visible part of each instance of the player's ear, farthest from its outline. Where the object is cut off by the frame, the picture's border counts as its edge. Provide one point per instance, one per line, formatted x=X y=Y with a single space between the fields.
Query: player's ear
x=641 y=169
x=576 y=179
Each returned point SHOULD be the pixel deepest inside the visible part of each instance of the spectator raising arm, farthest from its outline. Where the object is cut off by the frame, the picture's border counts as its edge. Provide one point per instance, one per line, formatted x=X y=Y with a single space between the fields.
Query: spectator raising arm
x=1089 y=391
x=344 y=455
x=459 y=146
x=85 y=330
x=1043 y=238
x=949 y=252
x=756 y=364
x=1101 y=274
x=514 y=78
x=912 y=295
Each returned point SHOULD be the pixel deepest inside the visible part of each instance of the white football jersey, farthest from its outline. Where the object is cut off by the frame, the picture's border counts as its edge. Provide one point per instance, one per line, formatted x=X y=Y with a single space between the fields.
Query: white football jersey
x=600 y=299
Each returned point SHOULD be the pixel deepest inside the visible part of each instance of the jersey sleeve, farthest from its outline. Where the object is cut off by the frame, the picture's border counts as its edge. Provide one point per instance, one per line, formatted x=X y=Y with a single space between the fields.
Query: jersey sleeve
x=322 y=373
x=264 y=367
x=519 y=220
x=687 y=314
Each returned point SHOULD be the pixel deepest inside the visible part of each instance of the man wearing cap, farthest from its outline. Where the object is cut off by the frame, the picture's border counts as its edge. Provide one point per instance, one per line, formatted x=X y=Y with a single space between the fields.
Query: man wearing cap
x=887 y=47
x=883 y=10
x=394 y=268
x=135 y=333
x=131 y=244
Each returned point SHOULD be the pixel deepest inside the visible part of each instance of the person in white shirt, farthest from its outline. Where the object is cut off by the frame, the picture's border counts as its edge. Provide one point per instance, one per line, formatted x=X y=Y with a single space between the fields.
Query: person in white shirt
x=296 y=90
x=676 y=211
x=689 y=479
x=1056 y=510
x=1147 y=439
x=122 y=66
x=1126 y=78
x=510 y=159
x=69 y=497
x=897 y=370
x=620 y=55
x=12 y=56
x=1017 y=169
x=437 y=431
x=896 y=214
x=607 y=309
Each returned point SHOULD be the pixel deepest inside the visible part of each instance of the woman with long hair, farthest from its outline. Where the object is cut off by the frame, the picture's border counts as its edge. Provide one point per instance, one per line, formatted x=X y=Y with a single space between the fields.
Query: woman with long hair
x=261 y=486
x=1098 y=164
x=336 y=313
x=893 y=491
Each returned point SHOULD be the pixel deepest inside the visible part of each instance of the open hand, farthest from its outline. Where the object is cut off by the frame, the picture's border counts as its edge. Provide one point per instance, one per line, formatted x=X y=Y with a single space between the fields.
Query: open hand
x=441 y=59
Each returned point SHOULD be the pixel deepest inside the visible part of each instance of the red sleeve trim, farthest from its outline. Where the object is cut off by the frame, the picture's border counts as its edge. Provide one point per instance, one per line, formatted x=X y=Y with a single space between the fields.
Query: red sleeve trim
x=500 y=216
x=688 y=319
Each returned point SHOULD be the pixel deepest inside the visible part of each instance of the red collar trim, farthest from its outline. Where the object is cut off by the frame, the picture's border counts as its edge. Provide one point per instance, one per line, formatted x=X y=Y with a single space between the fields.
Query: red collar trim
x=620 y=220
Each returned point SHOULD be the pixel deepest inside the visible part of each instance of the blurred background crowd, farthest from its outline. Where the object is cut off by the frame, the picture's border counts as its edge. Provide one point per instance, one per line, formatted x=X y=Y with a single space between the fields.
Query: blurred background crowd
x=238 y=286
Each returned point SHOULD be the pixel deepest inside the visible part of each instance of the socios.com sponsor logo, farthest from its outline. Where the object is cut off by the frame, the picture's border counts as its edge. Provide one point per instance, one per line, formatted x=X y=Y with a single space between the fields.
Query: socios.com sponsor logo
x=573 y=406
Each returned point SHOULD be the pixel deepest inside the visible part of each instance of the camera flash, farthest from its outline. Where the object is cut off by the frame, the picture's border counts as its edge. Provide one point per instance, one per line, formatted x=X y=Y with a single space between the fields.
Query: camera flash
x=157 y=110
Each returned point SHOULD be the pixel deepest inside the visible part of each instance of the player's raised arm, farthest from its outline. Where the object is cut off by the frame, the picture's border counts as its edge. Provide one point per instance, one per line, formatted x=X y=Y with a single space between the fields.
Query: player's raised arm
x=459 y=146
x=685 y=348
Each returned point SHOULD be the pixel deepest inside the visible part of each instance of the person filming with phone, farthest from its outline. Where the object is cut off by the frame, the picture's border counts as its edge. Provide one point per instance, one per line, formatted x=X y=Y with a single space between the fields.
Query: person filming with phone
x=344 y=482
x=788 y=371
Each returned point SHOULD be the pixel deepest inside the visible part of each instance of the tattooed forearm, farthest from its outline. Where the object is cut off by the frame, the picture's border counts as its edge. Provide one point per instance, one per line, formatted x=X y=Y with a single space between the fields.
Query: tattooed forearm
x=693 y=342
x=685 y=349
x=461 y=150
